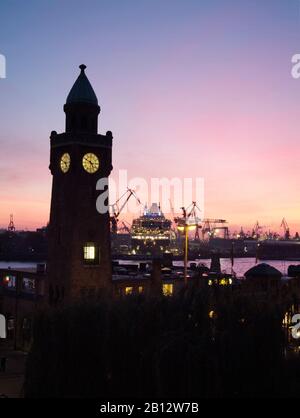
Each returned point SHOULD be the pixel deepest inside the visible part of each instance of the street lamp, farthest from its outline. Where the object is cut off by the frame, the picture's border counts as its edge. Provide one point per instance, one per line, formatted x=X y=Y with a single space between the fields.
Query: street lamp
x=186 y=227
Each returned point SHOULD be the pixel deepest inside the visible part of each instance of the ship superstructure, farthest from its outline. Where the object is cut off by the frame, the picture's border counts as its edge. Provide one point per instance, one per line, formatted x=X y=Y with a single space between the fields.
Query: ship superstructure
x=151 y=232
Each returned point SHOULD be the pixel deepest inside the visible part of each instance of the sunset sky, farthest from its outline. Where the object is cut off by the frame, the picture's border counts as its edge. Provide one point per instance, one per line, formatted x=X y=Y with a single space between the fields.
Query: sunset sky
x=189 y=89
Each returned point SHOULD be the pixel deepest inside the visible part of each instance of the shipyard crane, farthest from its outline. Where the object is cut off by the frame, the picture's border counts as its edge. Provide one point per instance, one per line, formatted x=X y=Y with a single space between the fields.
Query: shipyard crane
x=189 y=220
x=125 y=227
x=116 y=209
x=241 y=234
x=11 y=226
x=286 y=229
x=207 y=225
x=256 y=231
x=193 y=214
x=190 y=216
x=210 y=227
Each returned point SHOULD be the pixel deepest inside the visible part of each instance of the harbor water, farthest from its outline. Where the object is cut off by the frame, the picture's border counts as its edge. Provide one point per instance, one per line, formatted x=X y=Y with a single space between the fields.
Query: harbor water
x=241 y=265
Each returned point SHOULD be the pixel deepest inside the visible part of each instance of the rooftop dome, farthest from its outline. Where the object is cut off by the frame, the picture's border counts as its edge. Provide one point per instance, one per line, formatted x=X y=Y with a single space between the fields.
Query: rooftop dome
x=263 y=270
x=82 y=91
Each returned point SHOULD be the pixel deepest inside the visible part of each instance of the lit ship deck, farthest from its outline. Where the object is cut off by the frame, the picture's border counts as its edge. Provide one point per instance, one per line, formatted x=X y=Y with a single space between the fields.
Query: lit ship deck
x=151 y=232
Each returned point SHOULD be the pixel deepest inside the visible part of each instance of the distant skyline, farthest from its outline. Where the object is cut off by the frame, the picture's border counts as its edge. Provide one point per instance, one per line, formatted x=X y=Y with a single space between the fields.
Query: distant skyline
x=188 y=88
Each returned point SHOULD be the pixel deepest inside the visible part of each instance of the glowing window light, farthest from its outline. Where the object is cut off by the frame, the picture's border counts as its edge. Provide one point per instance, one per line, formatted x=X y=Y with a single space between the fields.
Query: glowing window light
x=223 y=282
x=211 y=314
x=128 y=290
x=10 y=281
x=286 y=319
x=89 y=252
x=140 y=289
x=167 y=289
x=210 y=282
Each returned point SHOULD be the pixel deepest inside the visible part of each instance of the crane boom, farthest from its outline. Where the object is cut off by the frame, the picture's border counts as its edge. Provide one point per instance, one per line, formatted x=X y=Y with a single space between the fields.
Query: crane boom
x=286 y=228
x=117 y=210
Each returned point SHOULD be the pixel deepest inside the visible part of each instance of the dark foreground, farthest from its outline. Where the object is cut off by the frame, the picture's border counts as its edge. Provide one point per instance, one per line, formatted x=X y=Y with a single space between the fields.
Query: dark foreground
x=193 y=345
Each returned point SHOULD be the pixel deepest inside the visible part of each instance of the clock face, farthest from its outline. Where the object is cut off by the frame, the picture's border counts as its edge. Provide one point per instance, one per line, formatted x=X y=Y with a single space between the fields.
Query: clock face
x=65 y=162
x=90 y=163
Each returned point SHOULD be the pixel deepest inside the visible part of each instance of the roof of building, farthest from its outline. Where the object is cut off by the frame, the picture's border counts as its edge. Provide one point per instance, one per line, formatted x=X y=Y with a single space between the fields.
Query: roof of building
x=263 y=270
x=82 y=90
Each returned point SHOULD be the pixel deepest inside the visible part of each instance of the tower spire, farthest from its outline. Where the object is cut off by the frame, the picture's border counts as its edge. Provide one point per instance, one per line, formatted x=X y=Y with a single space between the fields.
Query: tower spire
x=81 y=106
x=82 y=90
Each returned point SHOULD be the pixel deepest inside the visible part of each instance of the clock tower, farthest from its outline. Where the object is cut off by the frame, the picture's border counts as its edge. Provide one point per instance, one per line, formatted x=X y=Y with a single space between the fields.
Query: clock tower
x=79 y=255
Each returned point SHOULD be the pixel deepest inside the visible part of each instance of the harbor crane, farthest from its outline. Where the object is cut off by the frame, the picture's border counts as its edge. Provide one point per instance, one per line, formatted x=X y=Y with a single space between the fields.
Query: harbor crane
x=208 y=226
x=125 y=227
x=11 y=226
x=187 y=222
x=190 y=217
x=286 y=229
x=116 y=209
x=257 y=229
x=211 y=227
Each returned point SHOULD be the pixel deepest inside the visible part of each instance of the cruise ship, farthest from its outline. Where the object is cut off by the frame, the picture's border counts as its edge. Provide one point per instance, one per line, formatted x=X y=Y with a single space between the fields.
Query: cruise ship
x=151 y=233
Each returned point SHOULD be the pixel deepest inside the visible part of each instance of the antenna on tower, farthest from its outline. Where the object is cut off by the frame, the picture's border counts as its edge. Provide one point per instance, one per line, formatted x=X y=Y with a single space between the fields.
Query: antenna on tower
x=11 y=226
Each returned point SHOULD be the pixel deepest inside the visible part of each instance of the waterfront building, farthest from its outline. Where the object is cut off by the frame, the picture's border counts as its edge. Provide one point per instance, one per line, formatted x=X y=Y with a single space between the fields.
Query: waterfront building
x=79 y=253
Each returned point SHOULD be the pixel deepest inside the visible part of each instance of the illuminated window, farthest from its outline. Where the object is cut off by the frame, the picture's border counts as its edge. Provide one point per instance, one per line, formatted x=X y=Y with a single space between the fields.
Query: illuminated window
x=167 y=289
x=210 y=282
x=90 y=253
x=211 y=314
x=141 y=289
x=286 y=319
x=223 y=282
x=128 y=290
x=10 y=282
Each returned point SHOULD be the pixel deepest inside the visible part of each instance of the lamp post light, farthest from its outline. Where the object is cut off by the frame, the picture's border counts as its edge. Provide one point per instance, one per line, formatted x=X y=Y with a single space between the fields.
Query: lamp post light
x=186 y=227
